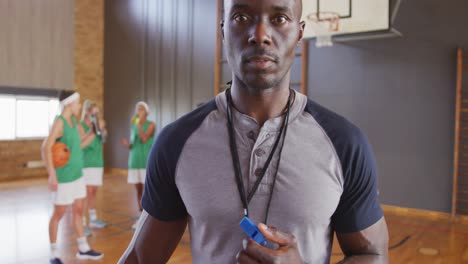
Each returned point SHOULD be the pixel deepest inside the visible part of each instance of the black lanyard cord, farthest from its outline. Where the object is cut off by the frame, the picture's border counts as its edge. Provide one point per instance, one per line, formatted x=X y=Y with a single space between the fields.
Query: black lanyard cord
x=235 y=156
x=277 y=168
x=270 y=157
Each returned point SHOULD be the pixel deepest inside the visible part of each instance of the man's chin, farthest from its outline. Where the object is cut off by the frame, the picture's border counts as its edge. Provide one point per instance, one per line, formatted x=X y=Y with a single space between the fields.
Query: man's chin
x=260 y=82
x=259 y=86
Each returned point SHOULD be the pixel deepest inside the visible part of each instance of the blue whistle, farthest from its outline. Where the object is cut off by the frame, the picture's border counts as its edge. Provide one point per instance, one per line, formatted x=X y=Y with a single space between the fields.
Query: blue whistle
x=252 y=231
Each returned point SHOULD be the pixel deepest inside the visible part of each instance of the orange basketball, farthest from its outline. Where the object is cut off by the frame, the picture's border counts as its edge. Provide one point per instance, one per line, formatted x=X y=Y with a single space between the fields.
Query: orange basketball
x=60 y=154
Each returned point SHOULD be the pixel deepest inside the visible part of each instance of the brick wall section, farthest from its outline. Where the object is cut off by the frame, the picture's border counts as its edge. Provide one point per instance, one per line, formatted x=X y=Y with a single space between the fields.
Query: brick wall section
x=89 y=50
x=13 y=157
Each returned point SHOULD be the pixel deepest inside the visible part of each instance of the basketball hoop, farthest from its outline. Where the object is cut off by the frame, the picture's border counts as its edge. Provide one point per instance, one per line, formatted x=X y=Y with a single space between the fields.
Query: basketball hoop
x=325 y=25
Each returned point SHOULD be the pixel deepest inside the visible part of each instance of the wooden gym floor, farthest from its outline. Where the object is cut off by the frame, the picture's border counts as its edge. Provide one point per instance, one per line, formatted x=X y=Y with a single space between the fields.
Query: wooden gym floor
x=25 y=209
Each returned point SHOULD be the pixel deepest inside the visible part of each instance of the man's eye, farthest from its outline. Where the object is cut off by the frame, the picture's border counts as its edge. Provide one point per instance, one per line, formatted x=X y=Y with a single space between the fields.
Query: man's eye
x=280 y=19
x=241 y=18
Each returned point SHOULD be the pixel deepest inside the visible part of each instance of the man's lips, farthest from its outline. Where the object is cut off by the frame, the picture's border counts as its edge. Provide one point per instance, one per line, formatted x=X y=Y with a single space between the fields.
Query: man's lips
x=260 y=58
x=261 y=62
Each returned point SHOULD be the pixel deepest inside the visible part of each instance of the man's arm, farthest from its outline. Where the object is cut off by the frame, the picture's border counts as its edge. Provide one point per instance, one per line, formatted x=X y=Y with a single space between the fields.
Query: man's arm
x=367 y=246
x=154 y=241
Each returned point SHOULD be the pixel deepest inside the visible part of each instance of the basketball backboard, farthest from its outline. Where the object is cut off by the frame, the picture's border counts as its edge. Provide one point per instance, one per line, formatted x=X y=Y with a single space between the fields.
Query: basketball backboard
x=356 y=16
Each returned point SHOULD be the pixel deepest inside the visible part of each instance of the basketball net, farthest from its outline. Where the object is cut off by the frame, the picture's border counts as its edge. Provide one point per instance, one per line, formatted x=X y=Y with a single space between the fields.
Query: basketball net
x=324 y=25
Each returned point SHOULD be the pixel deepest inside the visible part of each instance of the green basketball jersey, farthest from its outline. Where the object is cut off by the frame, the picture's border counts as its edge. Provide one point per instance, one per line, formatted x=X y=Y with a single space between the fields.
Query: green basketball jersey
x=92 y=154
x=139 y=151
x=71 y=137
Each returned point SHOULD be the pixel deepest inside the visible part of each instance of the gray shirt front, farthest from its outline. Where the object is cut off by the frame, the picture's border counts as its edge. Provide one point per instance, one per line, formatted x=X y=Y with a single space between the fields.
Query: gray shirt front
x=326 y=180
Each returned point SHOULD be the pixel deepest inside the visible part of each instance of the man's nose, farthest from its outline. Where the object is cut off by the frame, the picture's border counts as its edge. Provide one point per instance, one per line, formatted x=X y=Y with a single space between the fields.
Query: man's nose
x=260 y=34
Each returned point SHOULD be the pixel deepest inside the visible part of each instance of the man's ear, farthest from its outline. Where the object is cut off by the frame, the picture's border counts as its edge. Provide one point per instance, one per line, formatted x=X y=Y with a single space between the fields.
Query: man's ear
x=221 y=24
x=301 y=31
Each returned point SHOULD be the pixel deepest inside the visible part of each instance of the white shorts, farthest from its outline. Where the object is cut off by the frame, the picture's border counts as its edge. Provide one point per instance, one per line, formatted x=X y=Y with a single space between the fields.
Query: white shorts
x=93 y=176
x=136 y=176
x=68 y=192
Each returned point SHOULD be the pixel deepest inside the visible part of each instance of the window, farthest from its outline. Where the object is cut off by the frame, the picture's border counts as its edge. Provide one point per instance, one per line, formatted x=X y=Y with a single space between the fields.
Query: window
x=23 y=117
x=7 y=117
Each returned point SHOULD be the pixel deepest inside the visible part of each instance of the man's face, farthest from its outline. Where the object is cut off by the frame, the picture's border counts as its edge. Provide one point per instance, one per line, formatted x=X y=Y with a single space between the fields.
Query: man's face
x=260 y=38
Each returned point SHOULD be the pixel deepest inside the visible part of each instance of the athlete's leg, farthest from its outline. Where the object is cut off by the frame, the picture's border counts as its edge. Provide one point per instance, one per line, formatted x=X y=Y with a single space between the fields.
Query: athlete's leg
x=94 y=222
x=85 y=251
x=139 y=189
x=59 y=211
x=91 y=191
x=57 y=215
x=77 y=209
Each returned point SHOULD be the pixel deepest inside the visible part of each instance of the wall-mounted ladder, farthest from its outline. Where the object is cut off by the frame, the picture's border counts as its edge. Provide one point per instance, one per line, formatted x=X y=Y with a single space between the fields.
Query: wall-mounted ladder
x=460 y=162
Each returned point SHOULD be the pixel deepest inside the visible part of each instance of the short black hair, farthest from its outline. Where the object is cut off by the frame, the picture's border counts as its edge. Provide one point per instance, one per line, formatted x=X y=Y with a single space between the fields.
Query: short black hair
x=64 y=94
x=224 y=4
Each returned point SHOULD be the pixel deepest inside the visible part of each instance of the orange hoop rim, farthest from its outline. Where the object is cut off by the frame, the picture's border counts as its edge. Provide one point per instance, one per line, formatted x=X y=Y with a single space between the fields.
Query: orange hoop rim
x=333 y=18
x=315 y=17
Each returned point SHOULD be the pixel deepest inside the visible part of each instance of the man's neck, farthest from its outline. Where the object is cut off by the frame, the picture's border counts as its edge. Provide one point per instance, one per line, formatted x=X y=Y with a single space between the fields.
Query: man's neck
x=260 y=105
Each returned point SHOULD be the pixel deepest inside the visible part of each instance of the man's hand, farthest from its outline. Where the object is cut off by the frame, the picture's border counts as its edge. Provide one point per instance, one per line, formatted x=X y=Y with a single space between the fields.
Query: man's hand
x=287 y=251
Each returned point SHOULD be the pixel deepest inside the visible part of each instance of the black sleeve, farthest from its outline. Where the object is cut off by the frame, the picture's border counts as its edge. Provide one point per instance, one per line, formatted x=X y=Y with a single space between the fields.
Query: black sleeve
x=359 y=206
x=161 y=198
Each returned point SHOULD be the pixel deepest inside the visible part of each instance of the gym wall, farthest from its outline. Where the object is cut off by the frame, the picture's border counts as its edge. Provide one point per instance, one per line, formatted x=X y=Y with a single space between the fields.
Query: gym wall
x=89 y=50
x=88 y=77
x=36 y=44
x=401 y=92
x=159 y=51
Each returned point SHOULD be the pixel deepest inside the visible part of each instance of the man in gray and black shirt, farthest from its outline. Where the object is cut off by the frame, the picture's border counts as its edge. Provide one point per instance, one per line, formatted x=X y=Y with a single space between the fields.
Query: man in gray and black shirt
x=264 y=150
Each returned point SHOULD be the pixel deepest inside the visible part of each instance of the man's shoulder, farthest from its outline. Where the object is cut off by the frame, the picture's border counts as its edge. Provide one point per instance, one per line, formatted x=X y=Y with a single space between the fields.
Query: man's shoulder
x=180 y=130
x=161 y=198
x=346 y=137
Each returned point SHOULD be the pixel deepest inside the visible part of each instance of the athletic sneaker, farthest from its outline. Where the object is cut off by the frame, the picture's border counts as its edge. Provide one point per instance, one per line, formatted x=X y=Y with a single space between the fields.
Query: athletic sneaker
x=55 y=261
x=97 y=224
x=90 y=254
x=87 y=231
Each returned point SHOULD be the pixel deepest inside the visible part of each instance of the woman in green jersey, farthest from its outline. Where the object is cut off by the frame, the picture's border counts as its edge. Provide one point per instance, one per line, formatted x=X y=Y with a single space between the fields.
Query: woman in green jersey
x=141 y=140
x=66 y=182
x=93 y=162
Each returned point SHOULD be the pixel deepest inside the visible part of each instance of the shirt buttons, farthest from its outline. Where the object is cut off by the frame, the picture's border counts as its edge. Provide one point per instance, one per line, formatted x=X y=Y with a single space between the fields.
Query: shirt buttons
x=258 y=172
x=251 y=135
x=260 y=152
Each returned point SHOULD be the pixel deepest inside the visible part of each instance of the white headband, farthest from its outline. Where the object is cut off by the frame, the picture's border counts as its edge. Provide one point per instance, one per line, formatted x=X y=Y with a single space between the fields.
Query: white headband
x=70 y=99
x=144 y=106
